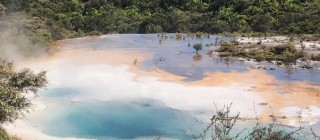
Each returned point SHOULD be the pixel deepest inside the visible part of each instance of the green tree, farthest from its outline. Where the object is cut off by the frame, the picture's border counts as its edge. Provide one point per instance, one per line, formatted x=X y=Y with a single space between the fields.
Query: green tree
x=197 y=47
x=14 y=86
x=74 y=18
x=262 y=23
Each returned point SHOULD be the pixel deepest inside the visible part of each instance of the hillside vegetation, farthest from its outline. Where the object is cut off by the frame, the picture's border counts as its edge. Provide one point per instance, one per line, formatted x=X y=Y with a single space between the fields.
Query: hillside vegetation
x=57 y=19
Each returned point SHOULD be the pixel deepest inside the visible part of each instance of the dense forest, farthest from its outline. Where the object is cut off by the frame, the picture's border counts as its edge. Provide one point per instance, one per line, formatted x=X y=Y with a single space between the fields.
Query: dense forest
x=57 y=19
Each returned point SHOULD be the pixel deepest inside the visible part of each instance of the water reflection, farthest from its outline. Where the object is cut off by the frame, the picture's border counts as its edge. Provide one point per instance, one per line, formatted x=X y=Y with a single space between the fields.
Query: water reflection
x=197 y=57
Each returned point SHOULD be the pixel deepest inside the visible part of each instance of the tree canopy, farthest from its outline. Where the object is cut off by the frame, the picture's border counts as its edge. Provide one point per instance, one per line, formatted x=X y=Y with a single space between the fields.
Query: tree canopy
x=71 y=18
x=13 y=88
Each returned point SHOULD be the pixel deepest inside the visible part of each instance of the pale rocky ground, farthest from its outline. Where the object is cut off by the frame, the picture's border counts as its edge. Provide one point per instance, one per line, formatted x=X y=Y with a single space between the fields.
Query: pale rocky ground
x=310 y=46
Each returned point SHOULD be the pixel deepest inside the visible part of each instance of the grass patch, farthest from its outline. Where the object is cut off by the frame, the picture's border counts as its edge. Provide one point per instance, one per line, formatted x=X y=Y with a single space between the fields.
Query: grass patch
x=5 y=136
x=285 y=52
x=315 y=57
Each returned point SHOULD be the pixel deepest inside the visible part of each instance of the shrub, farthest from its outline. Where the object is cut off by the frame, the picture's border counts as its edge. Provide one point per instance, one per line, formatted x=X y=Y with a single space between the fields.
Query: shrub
x=227 y=48
x=291 y=39
x=287 y=53
x=315 y=57
x=280 y=49
x=178 y=36
x=5 y=136
x=235 y=42
x=226 y=43
x=199 y=35
x=13 y=86
x=222 y=127
x=197 y=47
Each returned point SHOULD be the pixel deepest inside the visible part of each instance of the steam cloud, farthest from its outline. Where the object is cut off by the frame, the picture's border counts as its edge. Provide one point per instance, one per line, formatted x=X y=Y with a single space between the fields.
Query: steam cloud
x=16 y=38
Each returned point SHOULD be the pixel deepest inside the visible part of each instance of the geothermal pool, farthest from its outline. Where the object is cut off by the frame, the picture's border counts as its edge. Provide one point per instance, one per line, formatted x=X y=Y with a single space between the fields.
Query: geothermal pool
x=137 y=87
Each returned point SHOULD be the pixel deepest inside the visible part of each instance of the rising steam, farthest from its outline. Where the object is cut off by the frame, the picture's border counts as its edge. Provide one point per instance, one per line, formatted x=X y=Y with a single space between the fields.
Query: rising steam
x=16 y=38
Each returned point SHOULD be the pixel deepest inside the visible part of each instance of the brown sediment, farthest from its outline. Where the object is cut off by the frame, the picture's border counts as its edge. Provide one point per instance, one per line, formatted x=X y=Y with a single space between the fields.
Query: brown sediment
x=277 y=94
x=286 y=94
x=162 y=75
x=251 y=77
x=110 y=56
x=82 y=56
x=56 y=45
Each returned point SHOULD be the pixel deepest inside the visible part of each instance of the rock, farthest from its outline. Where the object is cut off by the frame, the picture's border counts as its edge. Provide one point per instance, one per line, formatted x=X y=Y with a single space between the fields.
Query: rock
x=306 y=66
x=188 y=74
x=298 y=61
x=258 y=66
x=263 y=104
x=279 y=63
x=241 y=59
x=293 y=66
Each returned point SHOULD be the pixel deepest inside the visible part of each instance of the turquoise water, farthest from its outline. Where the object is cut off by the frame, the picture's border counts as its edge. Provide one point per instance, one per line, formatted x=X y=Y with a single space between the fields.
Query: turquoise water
x=130 y=119
x=117 y=119
x=122 y=119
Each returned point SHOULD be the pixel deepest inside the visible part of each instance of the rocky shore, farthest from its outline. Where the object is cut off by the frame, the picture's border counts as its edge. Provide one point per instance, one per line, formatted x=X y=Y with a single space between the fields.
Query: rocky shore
x=274 y=52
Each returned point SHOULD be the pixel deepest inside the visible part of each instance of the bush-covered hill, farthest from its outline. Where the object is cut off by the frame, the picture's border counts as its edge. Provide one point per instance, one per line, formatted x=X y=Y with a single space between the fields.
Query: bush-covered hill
x=57 y=19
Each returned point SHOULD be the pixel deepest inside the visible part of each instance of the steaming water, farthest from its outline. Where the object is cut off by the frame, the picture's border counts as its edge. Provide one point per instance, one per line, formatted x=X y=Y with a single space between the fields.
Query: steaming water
x=118 y=120
x=101 y=101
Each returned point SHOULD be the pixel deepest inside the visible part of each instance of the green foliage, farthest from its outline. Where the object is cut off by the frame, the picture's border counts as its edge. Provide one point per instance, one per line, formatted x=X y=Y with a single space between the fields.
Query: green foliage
x=315 y=57
x=197 y=47
x=286 y=52
x=5 y=136
x=13 y=87
x=199 y=35
x=262 y=23
x=178 y=36
x=63 y=19
x=281 y=49
x=223 y=126
x=227 y=47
